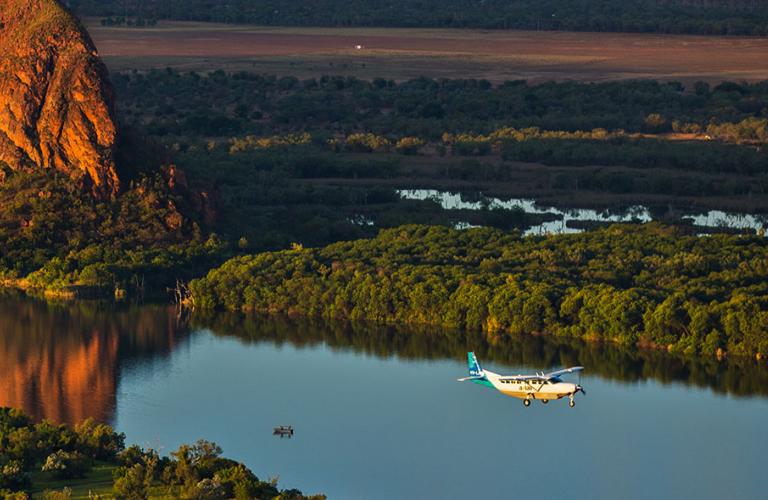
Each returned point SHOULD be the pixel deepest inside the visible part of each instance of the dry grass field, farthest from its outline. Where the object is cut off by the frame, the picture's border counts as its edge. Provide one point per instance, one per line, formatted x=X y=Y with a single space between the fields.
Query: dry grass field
x=406 y=53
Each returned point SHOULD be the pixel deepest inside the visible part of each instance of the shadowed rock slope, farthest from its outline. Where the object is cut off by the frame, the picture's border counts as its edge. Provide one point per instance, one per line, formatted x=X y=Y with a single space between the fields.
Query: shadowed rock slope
x=56 y=102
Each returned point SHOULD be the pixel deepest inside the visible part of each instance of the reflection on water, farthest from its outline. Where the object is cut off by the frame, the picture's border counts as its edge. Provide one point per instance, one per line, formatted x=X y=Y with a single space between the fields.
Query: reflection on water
x=462 y=201
x=717 y=218
x=738 y=376
x=64 y=362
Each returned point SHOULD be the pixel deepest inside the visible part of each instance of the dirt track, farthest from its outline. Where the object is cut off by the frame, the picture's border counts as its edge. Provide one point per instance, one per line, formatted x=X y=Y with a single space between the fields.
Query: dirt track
x=404 y=53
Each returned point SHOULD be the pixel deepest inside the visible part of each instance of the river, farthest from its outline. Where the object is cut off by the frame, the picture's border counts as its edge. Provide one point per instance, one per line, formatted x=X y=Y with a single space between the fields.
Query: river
x=377 y=410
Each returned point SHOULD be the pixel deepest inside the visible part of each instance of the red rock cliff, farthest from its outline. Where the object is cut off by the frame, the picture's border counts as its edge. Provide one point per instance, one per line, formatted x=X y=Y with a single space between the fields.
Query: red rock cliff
x=56 y=102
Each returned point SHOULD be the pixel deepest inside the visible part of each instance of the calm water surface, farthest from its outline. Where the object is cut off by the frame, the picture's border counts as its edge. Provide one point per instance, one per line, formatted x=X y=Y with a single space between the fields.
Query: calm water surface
x=477 y=201
x=378 y=412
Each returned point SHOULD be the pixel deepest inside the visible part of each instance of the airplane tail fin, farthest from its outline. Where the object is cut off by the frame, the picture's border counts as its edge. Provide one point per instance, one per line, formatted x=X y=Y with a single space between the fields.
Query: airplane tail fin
x=475 y=370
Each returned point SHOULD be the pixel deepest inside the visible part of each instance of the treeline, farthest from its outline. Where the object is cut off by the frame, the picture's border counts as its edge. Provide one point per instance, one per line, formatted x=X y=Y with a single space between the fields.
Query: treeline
x=596 y=147
x=646 y=285
x=172 y=104
x=738 y=17
x=63 y=454
x=138 y=22
x=638 y=153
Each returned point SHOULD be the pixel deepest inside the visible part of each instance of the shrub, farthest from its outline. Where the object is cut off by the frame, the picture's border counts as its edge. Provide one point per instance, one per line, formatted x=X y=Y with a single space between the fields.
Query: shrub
x=66 y=465
x=100 y=441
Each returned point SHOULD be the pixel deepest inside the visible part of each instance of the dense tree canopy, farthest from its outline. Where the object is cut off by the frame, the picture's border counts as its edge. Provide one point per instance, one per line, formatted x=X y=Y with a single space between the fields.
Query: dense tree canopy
x=645 y=285
x=169 y=103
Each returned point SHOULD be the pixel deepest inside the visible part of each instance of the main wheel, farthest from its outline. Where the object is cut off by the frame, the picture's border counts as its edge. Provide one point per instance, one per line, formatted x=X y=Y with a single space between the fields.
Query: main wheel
x=571 y=403
x=527 y=402
x=544 y=401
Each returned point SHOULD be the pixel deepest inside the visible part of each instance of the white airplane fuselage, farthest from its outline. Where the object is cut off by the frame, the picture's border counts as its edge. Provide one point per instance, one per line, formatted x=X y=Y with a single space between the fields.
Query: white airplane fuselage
x=546 y=390
x=542 y=386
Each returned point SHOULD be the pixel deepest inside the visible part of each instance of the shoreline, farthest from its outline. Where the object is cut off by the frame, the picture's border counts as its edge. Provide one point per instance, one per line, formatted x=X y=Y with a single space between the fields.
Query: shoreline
x=491 y=336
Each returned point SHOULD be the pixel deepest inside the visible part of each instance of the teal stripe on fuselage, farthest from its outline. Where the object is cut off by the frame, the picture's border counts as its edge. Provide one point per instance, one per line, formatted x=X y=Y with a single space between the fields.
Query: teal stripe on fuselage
x=483 y=381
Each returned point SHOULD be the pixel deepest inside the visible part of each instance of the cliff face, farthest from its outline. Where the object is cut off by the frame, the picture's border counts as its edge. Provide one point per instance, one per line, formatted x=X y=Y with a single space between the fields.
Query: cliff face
x=56 y=102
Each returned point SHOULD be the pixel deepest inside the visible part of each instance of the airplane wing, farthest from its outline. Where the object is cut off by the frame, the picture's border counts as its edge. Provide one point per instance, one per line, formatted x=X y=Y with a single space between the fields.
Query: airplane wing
x=563 y=371
x=521 y=377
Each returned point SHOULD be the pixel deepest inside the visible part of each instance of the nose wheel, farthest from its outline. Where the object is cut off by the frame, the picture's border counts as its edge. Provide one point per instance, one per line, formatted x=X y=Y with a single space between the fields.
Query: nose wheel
x=527 y=402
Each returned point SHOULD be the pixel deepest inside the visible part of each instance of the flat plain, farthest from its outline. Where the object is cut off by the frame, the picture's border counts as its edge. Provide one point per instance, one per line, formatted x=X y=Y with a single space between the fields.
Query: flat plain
x=402 y=53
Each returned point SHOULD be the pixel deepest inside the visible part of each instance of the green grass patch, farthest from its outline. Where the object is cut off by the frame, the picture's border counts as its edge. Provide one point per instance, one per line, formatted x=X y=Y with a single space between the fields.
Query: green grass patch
x=98 y=481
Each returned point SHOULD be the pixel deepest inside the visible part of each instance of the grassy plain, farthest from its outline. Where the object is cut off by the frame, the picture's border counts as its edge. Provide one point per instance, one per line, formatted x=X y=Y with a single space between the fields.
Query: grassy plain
x=403 y=53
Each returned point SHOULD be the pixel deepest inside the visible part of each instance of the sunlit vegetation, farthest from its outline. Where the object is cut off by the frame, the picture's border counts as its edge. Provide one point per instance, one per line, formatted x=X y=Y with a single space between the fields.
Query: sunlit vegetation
x=60 y=458
x=276 y=141
x=57 y=238
x=578 y=148
x=647 y=285
x=742 y=17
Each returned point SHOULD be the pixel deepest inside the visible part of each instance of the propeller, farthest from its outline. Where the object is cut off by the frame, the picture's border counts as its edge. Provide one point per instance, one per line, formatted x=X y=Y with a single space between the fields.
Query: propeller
x=579 y=387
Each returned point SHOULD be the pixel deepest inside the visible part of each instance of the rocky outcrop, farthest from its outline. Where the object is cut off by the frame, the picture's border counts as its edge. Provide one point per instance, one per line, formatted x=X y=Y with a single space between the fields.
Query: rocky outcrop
x=56 y=102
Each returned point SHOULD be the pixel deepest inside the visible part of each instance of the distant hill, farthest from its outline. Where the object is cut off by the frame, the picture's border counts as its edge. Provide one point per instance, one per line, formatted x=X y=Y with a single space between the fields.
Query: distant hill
x=715 y=17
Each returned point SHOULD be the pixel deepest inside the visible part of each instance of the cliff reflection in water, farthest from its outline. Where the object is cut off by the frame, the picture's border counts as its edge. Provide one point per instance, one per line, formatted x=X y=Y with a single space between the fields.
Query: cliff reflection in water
x=737 y=376
x=62 y=362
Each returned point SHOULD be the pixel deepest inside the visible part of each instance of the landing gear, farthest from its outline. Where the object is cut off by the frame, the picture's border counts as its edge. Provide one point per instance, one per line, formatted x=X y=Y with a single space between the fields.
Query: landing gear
x=571 y=403
x=544 y=401
x=527 y=402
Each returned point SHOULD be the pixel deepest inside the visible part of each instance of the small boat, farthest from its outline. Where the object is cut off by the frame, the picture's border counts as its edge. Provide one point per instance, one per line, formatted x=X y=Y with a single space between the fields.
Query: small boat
x=283 y=430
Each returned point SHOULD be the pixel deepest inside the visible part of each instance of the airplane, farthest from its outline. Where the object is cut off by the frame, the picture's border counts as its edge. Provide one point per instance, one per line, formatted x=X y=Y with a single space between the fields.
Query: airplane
x=542 y=386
